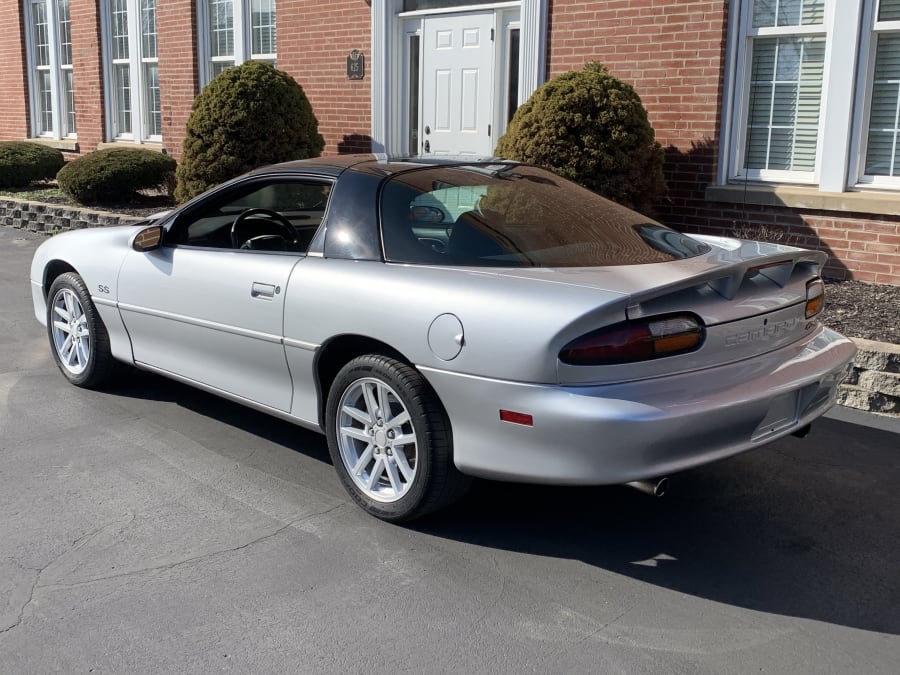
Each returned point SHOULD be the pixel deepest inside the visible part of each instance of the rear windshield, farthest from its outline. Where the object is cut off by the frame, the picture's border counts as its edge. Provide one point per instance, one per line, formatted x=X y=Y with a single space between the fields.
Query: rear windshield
x=505 y=215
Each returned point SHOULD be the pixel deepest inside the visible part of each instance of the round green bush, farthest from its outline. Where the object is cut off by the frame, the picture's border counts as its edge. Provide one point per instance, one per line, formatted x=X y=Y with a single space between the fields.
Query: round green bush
x=592 y=128
x=248 y=116
x=113 y=175
x=22 y=163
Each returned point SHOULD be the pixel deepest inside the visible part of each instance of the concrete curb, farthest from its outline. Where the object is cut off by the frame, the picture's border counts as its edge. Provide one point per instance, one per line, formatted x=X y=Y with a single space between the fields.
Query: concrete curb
x=873 y=384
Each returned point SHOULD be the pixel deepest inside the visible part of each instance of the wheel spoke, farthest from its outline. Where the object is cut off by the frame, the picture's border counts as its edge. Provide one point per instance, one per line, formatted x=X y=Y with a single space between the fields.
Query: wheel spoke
x=371 y=404
x=377 y=470
x=82 y=352
x=393 y=476
x=402 y=463
x=70 y=306
x=398 y=421
x=357 y=433
x=364 y=459
x=65 y=352
x=62 y=325
x=63 y=313
x=357 y=414
x=404 y=439
x=383 y=408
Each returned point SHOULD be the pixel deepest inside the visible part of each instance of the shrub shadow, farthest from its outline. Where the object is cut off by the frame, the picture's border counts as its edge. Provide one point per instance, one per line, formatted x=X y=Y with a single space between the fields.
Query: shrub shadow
x=355 y=144
x=687 y=207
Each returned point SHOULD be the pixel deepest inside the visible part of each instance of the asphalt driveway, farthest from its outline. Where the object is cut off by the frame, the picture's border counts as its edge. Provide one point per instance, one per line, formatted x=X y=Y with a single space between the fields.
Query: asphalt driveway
x=154 y=528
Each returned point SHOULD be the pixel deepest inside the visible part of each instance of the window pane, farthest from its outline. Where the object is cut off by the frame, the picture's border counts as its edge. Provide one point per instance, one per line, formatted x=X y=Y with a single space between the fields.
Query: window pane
x=122 y=87
x=217 y=67
x=770 y=13
x=785 y=100
x=45 y=103
x=68 y=120
x=119 y=29
x=151 y=84
x=413 y=112
x=512 y=94
x=65 y=33
x=41 y=34
x=148 y=29
x=221 y=28
x=262 y=22
x=412 y=5
x=889 y=10
x=881 y=151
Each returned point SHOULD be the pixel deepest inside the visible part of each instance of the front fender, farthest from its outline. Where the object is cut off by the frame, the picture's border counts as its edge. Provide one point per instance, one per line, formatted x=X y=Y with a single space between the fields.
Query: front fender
x=96 y=255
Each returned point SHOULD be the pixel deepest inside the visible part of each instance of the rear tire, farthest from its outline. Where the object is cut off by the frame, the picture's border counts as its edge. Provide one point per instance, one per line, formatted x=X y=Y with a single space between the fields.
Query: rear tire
x=390 y=440
x=79 y=341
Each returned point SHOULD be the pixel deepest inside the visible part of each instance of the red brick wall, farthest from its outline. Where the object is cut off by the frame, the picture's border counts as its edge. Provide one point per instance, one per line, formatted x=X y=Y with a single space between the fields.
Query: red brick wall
x=178 y=68
x=14 y=115
x=314 y=39
x=87 y=73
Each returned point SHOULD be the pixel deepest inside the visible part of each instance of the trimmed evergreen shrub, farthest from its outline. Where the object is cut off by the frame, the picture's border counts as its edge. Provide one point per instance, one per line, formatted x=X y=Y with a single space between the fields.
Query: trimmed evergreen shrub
x=113 y=175
x=592 y=128
x=248 y=116
x=22 y=163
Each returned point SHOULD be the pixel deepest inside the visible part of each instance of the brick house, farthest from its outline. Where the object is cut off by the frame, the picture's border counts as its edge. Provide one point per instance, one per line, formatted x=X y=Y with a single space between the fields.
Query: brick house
x=773 y=113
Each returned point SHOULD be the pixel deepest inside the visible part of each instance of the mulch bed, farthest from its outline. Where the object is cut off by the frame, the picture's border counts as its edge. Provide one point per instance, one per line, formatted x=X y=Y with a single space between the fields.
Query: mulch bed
x=858 y=309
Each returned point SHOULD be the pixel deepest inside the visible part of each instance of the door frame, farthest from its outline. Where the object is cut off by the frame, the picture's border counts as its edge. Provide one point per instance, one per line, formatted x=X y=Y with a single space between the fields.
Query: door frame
x=390 y=59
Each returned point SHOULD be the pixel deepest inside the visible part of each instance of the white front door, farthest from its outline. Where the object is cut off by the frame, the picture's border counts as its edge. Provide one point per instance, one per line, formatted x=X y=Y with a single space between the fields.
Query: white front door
x=457 y=84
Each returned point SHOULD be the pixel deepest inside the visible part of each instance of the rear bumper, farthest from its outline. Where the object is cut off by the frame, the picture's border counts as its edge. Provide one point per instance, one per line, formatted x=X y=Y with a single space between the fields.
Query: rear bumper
x=616 y=433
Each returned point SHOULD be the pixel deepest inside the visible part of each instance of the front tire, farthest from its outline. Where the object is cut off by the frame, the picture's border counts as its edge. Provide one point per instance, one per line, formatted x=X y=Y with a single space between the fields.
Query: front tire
x=390 y=440
x=79 y=341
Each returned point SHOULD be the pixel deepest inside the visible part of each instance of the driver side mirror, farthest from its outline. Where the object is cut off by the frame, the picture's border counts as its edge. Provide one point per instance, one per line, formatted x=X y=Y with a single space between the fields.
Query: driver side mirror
x=148 y=239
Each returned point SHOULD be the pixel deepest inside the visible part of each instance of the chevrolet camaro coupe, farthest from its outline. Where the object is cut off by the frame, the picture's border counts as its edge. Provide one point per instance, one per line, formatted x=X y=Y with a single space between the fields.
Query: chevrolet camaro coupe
x=445 y=320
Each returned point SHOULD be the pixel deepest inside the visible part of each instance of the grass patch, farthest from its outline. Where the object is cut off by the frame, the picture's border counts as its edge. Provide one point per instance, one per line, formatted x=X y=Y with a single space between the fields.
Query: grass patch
x=36 y=193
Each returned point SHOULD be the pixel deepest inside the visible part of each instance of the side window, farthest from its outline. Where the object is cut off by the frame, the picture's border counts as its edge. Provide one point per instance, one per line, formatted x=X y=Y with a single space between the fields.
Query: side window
x=272 y=216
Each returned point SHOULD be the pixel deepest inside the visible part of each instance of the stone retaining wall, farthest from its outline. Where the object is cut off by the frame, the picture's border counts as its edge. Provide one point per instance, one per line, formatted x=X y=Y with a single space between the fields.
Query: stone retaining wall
x=52 y=219
x=874 y=382
x=873 y=385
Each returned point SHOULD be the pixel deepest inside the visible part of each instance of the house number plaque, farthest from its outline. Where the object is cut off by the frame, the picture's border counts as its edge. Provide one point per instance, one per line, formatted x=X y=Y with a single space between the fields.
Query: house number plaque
x=356 y=65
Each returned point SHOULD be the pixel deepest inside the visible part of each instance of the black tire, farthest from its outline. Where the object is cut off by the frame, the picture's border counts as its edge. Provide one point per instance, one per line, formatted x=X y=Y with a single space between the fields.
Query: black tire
x=88 y=367
x=435 y=481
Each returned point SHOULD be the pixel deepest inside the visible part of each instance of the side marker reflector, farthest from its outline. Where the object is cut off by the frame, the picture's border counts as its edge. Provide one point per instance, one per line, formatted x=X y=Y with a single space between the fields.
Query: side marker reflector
x=516 y=418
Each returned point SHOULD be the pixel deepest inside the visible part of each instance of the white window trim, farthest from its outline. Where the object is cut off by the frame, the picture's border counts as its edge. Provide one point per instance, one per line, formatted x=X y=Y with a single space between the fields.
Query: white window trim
x=55 y=69
x=243 y=40
x=866 y=75
x=844 y=115
x=388 y=66
x=136 y=60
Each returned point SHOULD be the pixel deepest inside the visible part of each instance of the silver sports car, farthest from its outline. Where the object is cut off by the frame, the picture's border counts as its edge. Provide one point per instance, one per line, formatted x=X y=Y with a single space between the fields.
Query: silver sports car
x=446 y=320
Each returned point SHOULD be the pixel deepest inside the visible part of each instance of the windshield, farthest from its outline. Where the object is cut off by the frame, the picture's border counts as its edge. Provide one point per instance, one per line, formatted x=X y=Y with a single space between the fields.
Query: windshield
x=507 y=215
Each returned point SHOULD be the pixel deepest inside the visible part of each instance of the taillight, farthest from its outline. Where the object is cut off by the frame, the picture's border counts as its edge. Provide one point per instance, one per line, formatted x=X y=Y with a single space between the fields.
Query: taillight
x=631 y=341
x=815 y=297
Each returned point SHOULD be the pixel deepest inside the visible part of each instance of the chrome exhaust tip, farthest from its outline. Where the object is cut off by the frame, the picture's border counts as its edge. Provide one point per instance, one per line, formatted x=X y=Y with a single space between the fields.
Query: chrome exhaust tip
x=656 y=487
x=802 y=432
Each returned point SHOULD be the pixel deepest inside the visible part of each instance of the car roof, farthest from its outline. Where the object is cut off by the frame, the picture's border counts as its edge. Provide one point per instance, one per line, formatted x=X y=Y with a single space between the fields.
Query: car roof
x=334 y=165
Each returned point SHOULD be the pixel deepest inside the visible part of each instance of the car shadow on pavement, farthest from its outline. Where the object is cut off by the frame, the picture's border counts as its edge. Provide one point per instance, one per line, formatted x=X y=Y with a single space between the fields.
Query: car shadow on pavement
x=800 y=528
x=148 y=386
x=803 y=528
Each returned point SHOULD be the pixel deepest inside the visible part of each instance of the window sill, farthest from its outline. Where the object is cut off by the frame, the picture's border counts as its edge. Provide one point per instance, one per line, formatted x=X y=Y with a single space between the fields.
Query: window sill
x=67 y=144
x=791 y=196
x=158 y=147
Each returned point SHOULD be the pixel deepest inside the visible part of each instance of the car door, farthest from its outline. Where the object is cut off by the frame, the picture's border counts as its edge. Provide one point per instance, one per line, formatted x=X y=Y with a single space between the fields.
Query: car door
x=208 y=305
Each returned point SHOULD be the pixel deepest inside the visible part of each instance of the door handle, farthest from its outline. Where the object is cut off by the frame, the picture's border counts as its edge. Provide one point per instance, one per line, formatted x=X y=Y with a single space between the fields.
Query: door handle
x=265 y=291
